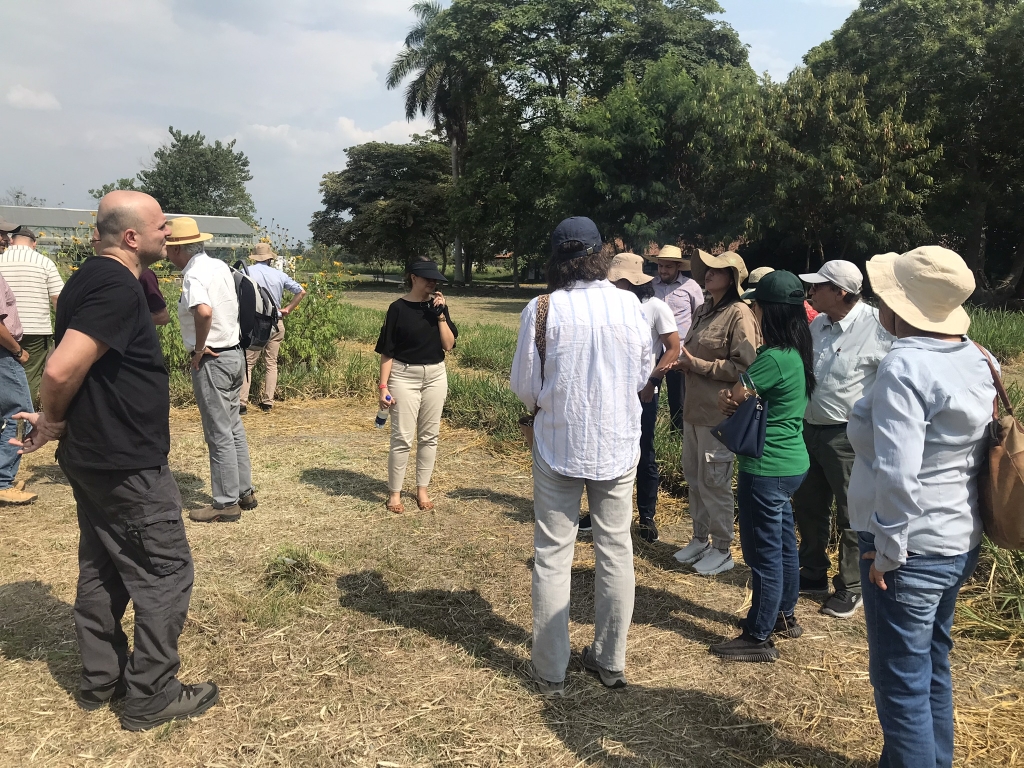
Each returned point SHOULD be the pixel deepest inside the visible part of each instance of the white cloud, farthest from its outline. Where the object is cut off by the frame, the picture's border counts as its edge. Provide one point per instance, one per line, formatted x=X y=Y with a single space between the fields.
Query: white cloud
x=344 y=133
x=21 y=97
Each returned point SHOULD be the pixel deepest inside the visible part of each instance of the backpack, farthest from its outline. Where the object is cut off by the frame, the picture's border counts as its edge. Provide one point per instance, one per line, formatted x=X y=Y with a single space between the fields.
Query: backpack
x=257 y=313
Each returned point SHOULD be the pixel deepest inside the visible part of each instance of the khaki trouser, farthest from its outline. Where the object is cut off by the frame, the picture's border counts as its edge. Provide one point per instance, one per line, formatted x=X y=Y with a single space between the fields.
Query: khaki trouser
x=252 y=356
x=419 y=392
x=556 y=508
x=707 y=465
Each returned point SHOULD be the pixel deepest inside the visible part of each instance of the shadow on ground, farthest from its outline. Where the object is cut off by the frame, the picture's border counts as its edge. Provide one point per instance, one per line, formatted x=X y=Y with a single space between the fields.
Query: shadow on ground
x=636 y=726
x=192 y=488
x=36 y=626
x=345 y=482
x=518 y=508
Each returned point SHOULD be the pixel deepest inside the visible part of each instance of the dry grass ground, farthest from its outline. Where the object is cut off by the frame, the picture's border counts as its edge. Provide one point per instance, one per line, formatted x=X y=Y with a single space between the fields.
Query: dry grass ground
x=407 y=640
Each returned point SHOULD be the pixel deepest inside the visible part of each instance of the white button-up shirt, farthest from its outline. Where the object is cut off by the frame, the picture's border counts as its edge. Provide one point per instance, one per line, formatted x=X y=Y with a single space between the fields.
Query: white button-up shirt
x=206 y=280
x=597 y=360
x=846 y=358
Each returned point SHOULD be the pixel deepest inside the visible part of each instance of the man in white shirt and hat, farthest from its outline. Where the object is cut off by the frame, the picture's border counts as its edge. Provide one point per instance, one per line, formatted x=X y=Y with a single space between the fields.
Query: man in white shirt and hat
x=276 y=283
x=684 y=297
x=208 y=314
x=849 y=343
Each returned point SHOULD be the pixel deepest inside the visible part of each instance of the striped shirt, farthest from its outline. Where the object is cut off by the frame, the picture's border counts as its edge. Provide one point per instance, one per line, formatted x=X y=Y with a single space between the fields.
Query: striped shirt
x=34 y=280
x=597 y=360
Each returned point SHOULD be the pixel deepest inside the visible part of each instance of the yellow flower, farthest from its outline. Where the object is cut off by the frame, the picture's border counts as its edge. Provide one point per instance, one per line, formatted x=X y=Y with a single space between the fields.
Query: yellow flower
x=330 y=295
x=42 y=234
x=81 y=223
x=93 y=214
x=336 y=263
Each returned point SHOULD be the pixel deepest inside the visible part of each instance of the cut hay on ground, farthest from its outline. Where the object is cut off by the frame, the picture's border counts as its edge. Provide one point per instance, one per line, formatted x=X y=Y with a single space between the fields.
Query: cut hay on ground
x=404 y=640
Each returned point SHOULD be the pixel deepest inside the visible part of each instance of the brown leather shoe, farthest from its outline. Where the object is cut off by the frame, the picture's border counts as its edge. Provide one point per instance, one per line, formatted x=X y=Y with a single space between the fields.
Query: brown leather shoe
x=211 y=514
x=13 y=495
x=248 y=501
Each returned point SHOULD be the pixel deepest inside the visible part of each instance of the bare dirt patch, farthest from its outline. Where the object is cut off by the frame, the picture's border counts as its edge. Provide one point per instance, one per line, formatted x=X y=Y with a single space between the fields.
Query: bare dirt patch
x=408 y=644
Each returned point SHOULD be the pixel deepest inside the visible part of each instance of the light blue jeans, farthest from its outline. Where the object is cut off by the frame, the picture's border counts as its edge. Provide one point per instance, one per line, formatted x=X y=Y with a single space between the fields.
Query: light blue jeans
x=14 y=398
x=909 y=642
x=217 y=384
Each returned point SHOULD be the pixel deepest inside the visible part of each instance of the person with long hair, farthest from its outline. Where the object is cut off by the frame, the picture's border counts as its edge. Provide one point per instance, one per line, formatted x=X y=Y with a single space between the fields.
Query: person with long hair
x=417 y=332
x=921 y=438
x=721 y=344
x=783 y=377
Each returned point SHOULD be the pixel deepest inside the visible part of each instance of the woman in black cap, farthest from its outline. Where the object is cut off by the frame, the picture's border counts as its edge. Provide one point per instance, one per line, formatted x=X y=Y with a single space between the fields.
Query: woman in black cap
x=413 y=382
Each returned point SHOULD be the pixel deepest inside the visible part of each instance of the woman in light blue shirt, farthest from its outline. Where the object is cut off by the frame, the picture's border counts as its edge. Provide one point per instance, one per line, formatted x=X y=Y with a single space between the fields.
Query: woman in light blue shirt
x=920 y=440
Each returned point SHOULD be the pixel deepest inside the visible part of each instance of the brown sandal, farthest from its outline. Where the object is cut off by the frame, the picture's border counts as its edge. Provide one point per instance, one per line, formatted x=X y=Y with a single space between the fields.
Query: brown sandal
x=425 y=507
x=398 y=508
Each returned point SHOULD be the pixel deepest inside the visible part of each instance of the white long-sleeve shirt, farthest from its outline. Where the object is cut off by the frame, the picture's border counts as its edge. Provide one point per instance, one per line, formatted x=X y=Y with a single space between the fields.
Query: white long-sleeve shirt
x=920 y=440
x=597 y=360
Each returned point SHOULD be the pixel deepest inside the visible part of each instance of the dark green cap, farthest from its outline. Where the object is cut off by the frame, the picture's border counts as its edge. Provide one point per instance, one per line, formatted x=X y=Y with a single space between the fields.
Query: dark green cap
x=779 y=287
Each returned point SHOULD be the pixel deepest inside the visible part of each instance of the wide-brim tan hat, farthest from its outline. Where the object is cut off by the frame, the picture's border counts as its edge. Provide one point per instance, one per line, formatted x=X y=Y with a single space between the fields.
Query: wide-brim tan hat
x=926 y=287
x=263 y=252
x=728 y=260
x=184 y=230
x=671 y=253
x=628 y=266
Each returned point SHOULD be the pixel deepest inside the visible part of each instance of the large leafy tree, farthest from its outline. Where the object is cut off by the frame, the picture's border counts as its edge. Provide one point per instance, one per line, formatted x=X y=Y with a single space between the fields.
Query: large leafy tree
x=390 y=203
x=190 y=176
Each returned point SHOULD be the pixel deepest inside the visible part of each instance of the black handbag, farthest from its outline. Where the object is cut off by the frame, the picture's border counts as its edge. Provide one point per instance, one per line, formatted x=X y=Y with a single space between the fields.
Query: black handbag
x=743 y=433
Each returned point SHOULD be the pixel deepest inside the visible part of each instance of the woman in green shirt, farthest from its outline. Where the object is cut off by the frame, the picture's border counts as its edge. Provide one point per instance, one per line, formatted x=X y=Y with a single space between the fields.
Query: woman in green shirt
x=783 y=376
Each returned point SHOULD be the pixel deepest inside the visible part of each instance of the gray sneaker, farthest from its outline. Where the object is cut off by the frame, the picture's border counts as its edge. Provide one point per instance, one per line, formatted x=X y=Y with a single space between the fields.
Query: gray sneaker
x=191 y=702
x=608 y=679
x=229 y=514
x=546 y=688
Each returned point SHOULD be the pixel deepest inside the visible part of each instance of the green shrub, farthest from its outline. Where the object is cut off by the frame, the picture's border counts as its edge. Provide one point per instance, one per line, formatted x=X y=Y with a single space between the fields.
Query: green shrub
x=296 y=569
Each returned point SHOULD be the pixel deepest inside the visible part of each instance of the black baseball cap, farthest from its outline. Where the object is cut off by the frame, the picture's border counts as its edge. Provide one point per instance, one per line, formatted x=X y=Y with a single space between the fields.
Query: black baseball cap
x=578 y=229
x=23 y=231
x=779 y=287
x=427 y=270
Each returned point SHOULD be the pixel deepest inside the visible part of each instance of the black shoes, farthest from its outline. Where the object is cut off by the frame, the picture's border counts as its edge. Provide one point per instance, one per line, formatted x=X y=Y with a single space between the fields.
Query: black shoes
x=785 y=626
x=813 y=586
x=746 y=648
x=242 y=410
x=584 y=529
x=842 y=605
x=647 y=531
x=90 y=701
x=191 y=702
x=265 y=408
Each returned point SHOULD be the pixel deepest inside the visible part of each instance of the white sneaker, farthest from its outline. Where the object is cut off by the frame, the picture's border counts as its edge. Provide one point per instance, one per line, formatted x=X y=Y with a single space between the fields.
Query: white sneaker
x=714 y=561
x=692 y=552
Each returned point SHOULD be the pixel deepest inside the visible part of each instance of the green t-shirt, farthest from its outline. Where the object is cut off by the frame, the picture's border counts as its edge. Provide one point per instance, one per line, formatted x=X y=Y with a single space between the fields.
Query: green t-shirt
x=778 y=375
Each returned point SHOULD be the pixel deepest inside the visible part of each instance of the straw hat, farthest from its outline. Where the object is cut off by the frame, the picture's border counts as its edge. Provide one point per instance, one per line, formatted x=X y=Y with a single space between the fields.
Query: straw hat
x=263 y=252
x=628 y=266
x=671 y=253
x=926 y=287
x=184 y=230
x=728 y=260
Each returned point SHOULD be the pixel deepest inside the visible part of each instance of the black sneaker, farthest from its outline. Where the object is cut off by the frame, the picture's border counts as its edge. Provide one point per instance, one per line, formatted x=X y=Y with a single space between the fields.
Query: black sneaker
x=746 y=648
x=90 y=701
x=242 y=410
x=813 y=586
x=647 y=531
x=784 y=626
x=191 y=702
x=842 y=605
x=265 y=407
x=584 y=529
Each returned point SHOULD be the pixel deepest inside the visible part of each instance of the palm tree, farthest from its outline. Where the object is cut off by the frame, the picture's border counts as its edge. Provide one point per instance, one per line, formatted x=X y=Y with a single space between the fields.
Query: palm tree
x=440 y=89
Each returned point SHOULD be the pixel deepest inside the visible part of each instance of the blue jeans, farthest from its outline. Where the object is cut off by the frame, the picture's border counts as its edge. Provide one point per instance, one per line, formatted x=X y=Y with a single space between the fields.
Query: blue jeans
x=768 y=540
x=909 y=642
x=14 y=398
x=647 y=477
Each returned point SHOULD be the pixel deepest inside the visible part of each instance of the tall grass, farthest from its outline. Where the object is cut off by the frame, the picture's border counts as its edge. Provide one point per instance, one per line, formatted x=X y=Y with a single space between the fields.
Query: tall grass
x=1000 y=331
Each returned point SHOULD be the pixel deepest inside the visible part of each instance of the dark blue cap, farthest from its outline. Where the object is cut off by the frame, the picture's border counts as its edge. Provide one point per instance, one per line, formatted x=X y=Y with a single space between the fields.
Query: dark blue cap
x=578 y=229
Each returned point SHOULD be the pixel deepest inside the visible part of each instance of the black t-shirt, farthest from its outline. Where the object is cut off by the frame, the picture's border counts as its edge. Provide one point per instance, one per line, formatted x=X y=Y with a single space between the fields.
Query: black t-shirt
x=119 y=417
x=410 y=334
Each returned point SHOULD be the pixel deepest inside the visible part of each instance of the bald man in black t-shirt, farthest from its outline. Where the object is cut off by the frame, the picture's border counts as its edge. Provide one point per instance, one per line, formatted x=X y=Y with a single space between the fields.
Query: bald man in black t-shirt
x=105 y=397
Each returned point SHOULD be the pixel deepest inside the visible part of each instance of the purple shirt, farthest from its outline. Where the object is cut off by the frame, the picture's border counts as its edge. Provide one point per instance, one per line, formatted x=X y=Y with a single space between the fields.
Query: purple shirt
x=9 y=310
x=684 y=297
x=151 y=288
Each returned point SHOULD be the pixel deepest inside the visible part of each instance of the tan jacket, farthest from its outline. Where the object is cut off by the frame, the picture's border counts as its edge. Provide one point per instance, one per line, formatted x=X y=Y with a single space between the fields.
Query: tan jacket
x=724 y=342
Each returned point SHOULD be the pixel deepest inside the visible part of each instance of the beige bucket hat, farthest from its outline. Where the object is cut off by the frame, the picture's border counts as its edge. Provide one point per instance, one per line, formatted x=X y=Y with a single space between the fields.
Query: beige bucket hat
x=263 y=252
x=926 y=287
x=755 y=275
x=628 y=266
x=728 y=260
x=184 y=230
x=671 y=253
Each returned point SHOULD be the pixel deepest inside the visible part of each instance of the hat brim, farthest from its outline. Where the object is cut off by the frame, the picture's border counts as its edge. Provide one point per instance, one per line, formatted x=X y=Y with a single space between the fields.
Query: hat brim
x=202 y=237
x=432 y=275
x=717 y=262
x=748 y=295
x=6 y=227
x=683 y=262
x=814 y=278
x=262 y=257
x=614 y=275
x=882 y=275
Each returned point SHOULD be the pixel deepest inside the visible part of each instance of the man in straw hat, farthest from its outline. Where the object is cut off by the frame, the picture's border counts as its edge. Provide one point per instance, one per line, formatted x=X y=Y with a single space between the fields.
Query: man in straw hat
x=921 y=439
x=849 y=343
x=208 y=313
x=684 y=297
x=586 y=436
x=276 y=283
x=105 y=397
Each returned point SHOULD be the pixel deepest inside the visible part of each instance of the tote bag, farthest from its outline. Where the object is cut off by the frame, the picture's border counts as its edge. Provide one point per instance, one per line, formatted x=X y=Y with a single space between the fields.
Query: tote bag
x=743 y=433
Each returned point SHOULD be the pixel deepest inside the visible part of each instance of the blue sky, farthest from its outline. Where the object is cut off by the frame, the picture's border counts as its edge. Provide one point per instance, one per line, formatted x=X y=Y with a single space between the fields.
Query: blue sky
x=89 y=97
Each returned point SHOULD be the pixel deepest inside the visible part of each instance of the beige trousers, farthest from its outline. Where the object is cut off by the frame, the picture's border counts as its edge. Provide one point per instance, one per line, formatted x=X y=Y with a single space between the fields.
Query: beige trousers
x=252 y=356
x=419 y=392
x=707 y=465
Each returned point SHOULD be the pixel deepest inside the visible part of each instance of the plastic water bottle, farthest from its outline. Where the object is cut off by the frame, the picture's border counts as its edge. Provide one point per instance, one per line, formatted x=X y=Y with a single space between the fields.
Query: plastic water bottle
x=382 y=414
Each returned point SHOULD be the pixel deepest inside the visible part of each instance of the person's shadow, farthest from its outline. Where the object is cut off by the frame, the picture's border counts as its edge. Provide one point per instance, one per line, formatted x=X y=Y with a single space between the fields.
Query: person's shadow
x=36 y=626
x=639 y=725
x=345 y=482
x=515 y=507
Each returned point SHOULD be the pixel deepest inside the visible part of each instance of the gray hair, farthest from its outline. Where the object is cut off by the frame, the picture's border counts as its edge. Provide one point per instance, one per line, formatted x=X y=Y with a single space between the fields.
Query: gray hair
x=192 y=248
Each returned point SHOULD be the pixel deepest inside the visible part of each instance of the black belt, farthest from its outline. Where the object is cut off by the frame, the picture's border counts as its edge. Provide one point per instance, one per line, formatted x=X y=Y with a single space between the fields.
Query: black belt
x=218 y=350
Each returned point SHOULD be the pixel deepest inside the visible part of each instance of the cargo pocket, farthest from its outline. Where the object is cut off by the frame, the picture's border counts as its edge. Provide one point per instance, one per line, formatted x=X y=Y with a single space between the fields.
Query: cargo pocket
x=160 y=543
x=718 y=466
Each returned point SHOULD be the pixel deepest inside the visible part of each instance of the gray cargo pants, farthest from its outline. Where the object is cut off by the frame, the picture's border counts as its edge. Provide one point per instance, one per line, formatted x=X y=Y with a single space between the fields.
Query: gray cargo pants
x=217 y=384
x=132 y=547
